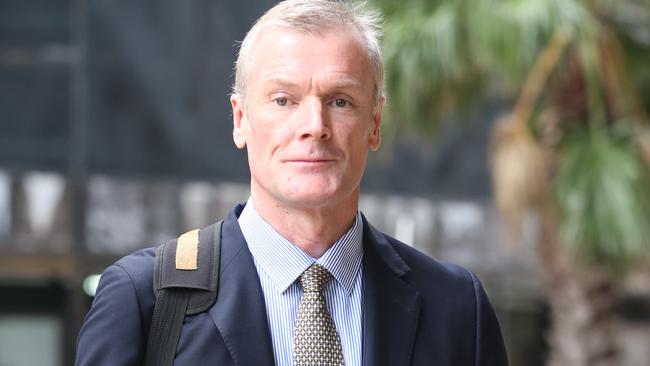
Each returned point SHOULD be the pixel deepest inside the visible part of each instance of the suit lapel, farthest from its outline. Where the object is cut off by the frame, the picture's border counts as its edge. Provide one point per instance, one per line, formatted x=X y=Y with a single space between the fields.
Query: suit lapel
x=391 y=306
x=240 y=313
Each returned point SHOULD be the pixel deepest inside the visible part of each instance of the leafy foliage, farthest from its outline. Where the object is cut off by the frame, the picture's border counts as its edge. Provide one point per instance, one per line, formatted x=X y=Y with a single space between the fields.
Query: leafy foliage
x=602 y=189
x=442 y=56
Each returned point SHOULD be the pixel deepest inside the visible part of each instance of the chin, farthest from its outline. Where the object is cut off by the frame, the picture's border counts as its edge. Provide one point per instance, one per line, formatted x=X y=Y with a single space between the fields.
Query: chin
x=312 y=200
x=318 y=197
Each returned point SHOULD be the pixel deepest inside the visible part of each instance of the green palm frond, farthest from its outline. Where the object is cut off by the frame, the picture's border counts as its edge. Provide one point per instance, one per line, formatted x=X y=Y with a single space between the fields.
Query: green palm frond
x=442 y=56
x=426 y=57
x=603 y=193
x=508 y=35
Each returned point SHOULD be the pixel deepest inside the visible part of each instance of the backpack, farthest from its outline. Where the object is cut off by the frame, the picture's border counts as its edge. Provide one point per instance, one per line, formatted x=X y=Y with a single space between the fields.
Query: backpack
x=185 y=281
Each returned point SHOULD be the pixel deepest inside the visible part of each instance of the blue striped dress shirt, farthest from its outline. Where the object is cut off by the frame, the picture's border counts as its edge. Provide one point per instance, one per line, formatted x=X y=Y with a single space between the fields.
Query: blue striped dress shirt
x=279 y=264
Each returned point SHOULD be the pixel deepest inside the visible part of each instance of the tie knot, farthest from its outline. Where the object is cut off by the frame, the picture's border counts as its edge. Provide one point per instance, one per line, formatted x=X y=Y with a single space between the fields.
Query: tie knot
x=314 y=278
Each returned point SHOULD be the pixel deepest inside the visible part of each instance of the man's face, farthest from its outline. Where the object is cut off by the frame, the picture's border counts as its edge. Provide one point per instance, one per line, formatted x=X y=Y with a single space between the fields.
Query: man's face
x=308 y=118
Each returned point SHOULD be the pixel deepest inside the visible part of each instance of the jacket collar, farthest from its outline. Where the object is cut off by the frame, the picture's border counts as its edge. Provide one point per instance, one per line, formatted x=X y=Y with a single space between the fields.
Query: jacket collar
x=239 y=313
x=391 y=307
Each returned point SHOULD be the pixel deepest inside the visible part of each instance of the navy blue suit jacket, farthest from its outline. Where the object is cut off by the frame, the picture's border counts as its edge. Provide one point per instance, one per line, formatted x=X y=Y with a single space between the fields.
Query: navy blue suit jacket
x=416 y=311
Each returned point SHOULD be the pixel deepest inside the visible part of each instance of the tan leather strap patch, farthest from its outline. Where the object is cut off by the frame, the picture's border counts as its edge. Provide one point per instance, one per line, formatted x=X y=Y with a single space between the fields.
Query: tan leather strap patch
x=187 y=251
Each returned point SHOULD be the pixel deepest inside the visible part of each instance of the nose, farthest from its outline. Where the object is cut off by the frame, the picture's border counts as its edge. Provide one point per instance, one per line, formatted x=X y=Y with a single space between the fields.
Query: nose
x=314 y=123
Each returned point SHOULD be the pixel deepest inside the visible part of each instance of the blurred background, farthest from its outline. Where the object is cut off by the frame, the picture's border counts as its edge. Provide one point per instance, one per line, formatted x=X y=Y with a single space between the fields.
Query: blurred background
x=516 y=143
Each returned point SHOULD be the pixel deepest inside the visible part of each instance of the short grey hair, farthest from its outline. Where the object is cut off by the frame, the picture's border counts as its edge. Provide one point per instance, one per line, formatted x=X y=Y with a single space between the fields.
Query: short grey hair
x=317 y=17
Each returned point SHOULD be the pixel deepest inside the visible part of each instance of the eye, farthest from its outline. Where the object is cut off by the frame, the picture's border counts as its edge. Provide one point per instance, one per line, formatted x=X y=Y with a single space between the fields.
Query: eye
x=341 y=103
x=281 y=101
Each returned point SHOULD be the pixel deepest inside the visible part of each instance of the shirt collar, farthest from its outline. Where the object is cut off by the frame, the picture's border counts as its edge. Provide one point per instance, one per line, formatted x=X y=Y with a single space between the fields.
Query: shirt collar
x=285 y=262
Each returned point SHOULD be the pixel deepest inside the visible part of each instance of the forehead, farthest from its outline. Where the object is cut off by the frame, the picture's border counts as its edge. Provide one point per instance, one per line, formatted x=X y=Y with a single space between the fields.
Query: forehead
x=336 y=56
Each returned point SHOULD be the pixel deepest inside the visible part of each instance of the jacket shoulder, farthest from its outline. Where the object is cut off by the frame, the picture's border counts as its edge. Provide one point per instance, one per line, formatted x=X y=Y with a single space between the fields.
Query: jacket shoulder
x=138 y=266
x=422 y=265
x=115 y=328
x=454 y=303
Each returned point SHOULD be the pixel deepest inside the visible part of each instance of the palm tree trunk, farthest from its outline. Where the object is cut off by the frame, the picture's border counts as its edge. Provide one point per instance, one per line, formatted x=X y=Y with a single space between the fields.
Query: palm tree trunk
x=583 y=304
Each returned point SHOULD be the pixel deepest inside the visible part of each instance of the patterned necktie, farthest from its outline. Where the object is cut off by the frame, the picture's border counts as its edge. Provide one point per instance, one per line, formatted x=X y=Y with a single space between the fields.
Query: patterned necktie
x=315 y=340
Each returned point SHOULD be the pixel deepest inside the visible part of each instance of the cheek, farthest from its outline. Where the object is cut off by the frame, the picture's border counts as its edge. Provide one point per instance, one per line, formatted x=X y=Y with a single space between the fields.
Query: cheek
x=356 y=146
x=256 y=145
x=358 y=137
x=264 y=140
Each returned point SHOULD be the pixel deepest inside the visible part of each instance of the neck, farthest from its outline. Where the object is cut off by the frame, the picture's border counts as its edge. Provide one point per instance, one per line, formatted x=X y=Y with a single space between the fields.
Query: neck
x=312 y=229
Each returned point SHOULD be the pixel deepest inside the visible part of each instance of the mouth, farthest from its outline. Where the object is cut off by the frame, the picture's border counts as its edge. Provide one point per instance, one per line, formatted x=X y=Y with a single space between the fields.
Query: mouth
x=310 y=162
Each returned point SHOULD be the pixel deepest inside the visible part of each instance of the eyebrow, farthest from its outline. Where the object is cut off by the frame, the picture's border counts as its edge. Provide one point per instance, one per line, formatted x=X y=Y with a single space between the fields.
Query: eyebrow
x=347 y=83
x=343 y=83
x=280 y=81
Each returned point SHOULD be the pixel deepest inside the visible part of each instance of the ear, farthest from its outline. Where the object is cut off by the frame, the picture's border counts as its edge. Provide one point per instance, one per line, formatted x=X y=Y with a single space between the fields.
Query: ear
x=238 y=120
x=374 y=139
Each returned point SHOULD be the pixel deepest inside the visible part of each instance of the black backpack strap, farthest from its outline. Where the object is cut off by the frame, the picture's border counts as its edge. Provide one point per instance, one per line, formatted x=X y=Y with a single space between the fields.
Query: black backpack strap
x=166 y=325
x=185 y=279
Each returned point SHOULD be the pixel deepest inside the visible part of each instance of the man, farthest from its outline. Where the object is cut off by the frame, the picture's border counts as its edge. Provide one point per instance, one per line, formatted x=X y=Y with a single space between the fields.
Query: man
x=307 y=106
